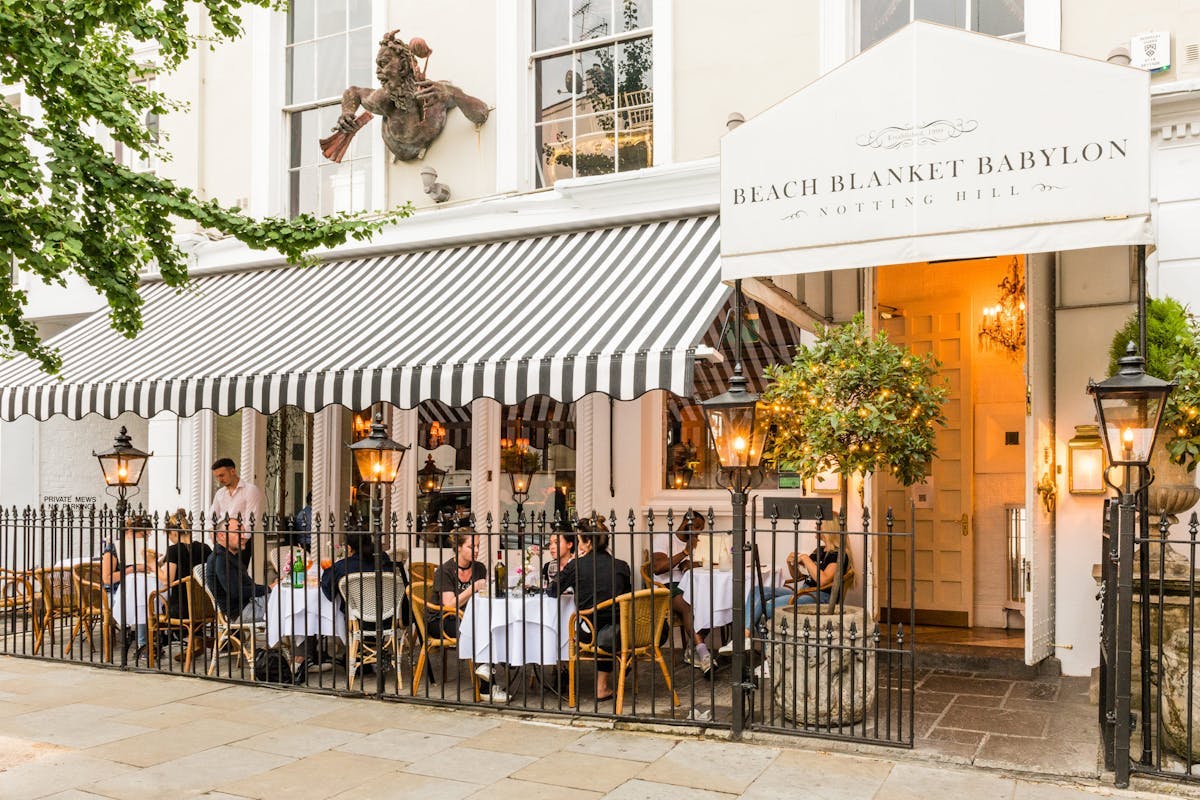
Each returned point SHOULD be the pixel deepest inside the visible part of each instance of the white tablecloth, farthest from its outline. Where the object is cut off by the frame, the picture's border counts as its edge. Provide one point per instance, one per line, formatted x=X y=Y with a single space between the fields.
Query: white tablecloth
x=525 y=629
x=302 y=612
x=710 y=594
x=131 y=598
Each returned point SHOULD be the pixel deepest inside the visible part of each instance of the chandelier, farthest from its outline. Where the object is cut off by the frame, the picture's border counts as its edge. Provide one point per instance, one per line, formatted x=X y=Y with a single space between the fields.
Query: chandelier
x=1003 y=325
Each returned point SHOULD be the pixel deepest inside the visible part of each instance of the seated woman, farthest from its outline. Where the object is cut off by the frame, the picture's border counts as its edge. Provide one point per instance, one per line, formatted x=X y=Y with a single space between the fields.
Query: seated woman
x=562 y=550
x=181 y=556
x=454 y=584
x=595 y=576
x=814 y=574
x=113 y=571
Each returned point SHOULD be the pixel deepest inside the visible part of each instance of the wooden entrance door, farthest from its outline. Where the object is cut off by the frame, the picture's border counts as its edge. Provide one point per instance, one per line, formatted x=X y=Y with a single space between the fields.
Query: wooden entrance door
x=936 y=318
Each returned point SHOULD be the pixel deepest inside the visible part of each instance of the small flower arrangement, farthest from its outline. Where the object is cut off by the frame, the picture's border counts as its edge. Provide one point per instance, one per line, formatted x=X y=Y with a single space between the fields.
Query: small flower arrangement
x=527 y=568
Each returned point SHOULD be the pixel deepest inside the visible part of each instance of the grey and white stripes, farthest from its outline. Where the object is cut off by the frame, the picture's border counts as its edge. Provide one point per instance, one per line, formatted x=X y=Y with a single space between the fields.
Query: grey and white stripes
x=616 y=310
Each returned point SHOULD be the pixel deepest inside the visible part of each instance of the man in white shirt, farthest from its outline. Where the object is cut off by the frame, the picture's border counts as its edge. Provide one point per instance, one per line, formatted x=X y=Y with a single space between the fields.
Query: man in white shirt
x=239 y=497
x=670 y=560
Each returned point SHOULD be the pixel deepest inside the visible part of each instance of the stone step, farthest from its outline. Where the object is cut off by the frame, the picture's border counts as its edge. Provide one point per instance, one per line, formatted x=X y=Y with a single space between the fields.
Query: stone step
x=998 y=662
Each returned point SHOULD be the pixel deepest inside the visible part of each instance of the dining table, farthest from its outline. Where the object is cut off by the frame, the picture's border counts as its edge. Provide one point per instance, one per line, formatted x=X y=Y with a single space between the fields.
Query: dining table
x=302 y=611
x=518 y=628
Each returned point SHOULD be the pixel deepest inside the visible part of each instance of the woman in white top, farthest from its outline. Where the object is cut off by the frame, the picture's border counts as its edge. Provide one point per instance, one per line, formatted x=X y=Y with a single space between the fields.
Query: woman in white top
x=671 y=557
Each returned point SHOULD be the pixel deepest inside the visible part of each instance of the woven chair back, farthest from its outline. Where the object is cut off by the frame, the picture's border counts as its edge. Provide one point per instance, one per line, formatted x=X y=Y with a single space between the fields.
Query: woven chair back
x=358 y=590
x=643 y=615
x=90 y=589
x=58 y=590
x=15 y=590
x=422 y=571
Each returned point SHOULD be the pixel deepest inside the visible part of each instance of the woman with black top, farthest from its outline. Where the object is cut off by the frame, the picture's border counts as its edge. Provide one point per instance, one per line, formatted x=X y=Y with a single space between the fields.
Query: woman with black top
x=562 y=550
x=454 y=584
x=595 y=576
x=181 y=556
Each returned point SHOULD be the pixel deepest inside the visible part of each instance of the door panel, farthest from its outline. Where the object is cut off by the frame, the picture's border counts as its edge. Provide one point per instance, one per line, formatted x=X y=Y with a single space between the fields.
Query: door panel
x=942 y=550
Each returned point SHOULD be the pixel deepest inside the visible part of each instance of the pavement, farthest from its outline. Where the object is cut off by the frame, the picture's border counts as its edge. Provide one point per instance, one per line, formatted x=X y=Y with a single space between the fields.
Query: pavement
x=74 y=731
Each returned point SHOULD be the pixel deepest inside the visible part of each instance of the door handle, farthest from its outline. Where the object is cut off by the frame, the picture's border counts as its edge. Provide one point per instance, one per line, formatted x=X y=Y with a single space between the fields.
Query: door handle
x=965 y=522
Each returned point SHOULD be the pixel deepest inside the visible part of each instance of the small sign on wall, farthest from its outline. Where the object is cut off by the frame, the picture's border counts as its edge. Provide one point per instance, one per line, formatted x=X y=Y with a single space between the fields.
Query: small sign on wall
x=922 y=493
x=1151 y=51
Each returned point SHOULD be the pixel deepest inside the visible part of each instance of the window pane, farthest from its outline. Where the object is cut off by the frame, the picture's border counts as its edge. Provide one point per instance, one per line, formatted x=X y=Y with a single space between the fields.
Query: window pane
x=335 y=187
x=331 y=17
x=550 y=26
x=879 y=19
x=304 y=190
x=362 y=58
x=331 y=67
x=555 y=152
x=360 y=13
x=595 y=145
x=301 y=87
x=323 y=120
x=597 y=68
x=635 y=145
x=946 y=12
x=301 y=19
x=444 y=434
x=636 y=70
x=590 y=19
x=554 y=78
x=998 y=17
x=299 y=133
x=634 y=14
x=360 y=186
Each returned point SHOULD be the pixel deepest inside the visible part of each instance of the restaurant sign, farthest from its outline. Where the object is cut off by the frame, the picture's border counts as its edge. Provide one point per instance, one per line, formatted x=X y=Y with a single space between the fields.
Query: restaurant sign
x=939 y=144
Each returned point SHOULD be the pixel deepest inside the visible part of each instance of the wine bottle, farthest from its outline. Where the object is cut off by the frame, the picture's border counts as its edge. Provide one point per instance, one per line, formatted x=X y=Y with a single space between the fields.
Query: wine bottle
x=298 y=572
x=500 y=572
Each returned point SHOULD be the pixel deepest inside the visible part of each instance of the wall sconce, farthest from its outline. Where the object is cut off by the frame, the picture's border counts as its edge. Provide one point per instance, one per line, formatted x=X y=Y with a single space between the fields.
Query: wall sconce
x=1085 y=461
x=437 y=435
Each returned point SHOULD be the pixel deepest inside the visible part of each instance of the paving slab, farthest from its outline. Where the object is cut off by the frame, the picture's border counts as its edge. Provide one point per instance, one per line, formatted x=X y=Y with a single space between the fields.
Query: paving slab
x=399 y=745
x=56 y=771
x=819 y=775
x=580 y=771
x=649 y=790
x=190 y=775
x=319 y=775
x=720 y=766
x=468 y=764
x=392 y=785
x=526 y=739
x=167 y=744
x=512 y=789
x=918 y=782
x=622 y=744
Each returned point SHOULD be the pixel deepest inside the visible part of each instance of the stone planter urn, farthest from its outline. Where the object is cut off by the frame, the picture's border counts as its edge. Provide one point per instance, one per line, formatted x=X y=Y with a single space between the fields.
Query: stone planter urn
x=1174 y=684
x=822 y=677
x=1173 y=492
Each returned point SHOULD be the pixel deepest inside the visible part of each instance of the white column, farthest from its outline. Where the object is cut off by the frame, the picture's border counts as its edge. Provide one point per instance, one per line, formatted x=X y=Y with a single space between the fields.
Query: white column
x=586 y=410
x=202 y=458
x=403 y=495
x=485 y=462
x=326 y=463
x=170 y=469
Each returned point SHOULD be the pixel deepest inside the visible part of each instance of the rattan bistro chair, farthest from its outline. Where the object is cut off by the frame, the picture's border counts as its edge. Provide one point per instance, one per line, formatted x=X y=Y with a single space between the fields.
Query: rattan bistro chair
x=422 y=571
x=93 y=606
x=55 y=600
x=373 y=630
x=648 y=581
x=199 y=612
x=16 y=594
x=641 y=616
x=239 y=636
x=421 y=607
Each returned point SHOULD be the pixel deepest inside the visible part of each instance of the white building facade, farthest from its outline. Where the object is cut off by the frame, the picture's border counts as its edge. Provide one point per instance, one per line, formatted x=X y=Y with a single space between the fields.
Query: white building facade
x=608 y=117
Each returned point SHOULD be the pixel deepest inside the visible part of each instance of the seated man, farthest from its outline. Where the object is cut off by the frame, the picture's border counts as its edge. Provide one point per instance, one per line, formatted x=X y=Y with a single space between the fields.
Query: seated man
x=235 y=593
x=360 y=557
x=670 y=560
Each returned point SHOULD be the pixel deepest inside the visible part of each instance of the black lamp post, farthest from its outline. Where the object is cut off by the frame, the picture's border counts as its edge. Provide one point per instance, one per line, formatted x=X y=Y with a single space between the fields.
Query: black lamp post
x=1129 y=406
x=122 y=465
x=738 y=440
x=378 y=459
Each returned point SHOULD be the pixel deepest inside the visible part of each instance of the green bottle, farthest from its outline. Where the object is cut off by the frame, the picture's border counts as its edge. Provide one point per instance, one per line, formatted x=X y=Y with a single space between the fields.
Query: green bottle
x=298 y=572
x=501 y=575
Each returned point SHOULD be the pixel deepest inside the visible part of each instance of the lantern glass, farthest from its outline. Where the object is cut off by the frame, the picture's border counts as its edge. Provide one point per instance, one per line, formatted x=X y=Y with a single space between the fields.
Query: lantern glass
x=680 y=476
x=378 y=457
x=1129 y=424
x=737 y=440
x=519 y=483
x=1085 y=461
x=122 y=464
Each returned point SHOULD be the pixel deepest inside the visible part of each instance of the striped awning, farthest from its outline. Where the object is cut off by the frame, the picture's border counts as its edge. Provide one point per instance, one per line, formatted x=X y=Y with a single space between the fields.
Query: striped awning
x=618 y=311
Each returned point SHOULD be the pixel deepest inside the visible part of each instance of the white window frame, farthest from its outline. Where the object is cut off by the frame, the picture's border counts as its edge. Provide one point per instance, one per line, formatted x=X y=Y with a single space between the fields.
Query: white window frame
x=839 y=28
x=270 y=183
x=515 y=44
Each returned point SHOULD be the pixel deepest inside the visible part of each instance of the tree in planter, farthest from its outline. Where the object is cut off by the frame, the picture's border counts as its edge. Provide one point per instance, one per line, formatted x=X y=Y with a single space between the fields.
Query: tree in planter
x=855 y=403
x=1172 y=353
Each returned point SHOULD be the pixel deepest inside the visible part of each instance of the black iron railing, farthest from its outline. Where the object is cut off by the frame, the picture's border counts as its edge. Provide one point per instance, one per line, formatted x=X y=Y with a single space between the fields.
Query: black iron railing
x=256 y=601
